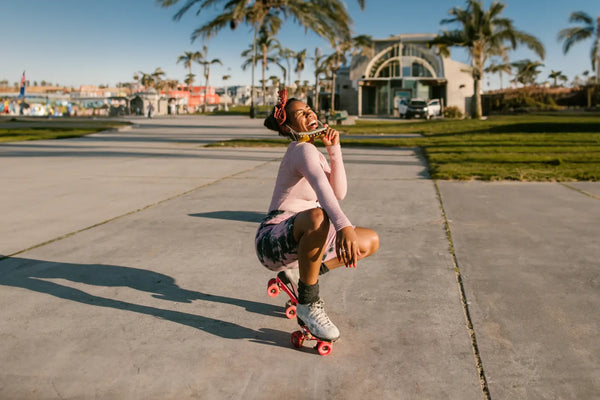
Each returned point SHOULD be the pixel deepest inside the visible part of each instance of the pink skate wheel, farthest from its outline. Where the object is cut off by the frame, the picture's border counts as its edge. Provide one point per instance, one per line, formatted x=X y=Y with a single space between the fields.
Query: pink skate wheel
x=324 y=348
x=297 y=339
x=272 y=288
x=290 y=311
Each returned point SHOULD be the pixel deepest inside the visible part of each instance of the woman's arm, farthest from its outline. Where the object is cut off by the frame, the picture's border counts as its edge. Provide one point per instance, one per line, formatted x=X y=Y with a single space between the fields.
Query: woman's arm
x=337 y=176
x=307 y=162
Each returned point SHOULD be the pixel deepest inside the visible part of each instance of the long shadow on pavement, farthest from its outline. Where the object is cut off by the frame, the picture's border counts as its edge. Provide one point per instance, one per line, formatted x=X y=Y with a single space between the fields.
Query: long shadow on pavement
x=245 y=216
x=31 y=274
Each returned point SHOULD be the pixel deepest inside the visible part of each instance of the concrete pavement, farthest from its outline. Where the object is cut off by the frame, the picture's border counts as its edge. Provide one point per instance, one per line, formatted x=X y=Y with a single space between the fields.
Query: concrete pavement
x=131 y=274
x=529 y=257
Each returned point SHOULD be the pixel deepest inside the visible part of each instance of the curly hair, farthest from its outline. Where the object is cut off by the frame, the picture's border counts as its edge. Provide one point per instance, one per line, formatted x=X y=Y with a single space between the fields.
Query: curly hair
x=272 y=124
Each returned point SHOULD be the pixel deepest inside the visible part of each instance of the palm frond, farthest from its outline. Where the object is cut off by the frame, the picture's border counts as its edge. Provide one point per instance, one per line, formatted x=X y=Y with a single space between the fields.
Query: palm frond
x=211 y=28
x=531 y=42
x=580 y=16
x=573 y=35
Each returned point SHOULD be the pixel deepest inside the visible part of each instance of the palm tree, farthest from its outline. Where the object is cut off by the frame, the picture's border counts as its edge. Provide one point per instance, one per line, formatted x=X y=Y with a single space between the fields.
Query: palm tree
x=157 y=75
x=172 y=84
x=327 y=18
x=556 y=75
x=499 y=69
x=483 y=34
x=283 y=70
x=583 y=32
x=189 y=80
x=332 y=63
x=266 y=45
x=300 y=58
x=320 y=68
x=362 y=44
x=188 y=58
x=147 y=80
x=527 y=71
x=287 y=55
x=203 y=60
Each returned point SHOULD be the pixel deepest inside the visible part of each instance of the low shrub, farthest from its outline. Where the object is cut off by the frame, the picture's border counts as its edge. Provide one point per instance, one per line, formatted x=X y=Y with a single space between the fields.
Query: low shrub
x=453 y=112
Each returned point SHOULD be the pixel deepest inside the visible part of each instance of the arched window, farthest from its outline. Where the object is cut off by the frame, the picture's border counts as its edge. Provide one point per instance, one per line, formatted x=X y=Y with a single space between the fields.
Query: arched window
x=418 y=70
x=415 y=61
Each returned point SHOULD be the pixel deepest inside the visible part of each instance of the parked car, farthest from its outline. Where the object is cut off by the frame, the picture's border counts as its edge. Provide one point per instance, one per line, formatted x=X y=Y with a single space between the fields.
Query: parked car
x=419 y=108
x=434 y=108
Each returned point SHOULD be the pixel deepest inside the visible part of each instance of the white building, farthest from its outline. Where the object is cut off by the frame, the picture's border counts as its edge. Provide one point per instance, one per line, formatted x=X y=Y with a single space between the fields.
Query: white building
x=403 y=66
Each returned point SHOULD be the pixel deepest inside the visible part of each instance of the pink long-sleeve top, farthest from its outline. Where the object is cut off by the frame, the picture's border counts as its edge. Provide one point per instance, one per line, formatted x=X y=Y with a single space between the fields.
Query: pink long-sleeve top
x=306 y=178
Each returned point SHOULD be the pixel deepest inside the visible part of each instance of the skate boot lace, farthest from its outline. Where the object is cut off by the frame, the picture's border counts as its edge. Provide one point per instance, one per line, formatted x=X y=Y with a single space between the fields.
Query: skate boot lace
x=319 y=315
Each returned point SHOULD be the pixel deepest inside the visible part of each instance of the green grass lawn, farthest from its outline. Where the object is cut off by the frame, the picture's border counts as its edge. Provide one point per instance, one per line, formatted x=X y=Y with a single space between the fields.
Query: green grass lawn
x=539 y=147
x=21 y=130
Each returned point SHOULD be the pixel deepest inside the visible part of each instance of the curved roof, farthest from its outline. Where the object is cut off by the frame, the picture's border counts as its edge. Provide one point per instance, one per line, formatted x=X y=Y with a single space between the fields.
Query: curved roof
x=409 y=37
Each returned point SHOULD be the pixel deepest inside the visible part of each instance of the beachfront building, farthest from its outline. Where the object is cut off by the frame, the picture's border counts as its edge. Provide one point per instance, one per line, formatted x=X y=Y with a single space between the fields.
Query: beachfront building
x=402 y=66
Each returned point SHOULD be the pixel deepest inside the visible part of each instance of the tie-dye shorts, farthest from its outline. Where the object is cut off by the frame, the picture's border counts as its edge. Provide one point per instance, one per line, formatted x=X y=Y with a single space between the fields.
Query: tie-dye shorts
x=275 y=245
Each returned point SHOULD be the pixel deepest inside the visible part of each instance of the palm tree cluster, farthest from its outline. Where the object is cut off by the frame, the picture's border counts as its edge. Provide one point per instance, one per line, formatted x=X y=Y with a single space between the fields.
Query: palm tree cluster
x=200 y=57
x=155 y=80
x=486 y=34
x=327 y=18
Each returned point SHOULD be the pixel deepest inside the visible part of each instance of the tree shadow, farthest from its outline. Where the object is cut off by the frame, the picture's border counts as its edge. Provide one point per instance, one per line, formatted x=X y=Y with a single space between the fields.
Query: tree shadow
x=244 y=216
x=32 y=274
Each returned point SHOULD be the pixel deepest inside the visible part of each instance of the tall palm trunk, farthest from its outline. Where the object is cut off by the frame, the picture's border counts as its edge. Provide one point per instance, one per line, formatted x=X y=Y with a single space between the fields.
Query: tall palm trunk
x=190 y=88
x=206 y=75
x=264 y=67
x=598 y=51
x=253 y=62
x=477 y=64
x=333 y=75
x=477 y=89
x=317 y=92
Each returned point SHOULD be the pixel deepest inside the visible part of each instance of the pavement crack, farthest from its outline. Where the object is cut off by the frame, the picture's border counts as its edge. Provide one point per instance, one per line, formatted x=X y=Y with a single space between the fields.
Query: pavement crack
x=580 y=191
x=176 y=196
x=479 y=364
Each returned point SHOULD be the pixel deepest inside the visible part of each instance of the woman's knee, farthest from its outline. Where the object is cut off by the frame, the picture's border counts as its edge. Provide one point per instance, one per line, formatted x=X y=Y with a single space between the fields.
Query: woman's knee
x=309 y=221
x=369 y=241
x=318 y=219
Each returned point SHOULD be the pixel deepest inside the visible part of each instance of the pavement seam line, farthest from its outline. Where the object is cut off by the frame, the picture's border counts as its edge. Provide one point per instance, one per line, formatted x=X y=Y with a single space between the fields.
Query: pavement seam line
x=580 y=191
x=87 y=228
x=461 y=288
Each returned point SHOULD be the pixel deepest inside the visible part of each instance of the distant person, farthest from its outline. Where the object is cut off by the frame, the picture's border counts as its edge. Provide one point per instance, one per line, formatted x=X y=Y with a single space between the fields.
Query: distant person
x=150 y=110
x=397 y=106
x=306 y=233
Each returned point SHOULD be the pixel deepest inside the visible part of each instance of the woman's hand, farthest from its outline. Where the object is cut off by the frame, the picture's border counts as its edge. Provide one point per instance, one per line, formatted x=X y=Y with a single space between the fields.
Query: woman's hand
x=331 y=137
x=346 y=246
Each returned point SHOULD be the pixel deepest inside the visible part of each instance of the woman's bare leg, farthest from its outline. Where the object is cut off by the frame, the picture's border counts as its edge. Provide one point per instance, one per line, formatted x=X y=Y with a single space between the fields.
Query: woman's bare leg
x=311 y=228
x=310 y=232
x=368 y=243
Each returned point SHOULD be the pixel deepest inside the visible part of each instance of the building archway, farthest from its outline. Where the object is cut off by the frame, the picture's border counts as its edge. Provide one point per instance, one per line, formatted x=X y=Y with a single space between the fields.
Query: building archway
x=408 y=70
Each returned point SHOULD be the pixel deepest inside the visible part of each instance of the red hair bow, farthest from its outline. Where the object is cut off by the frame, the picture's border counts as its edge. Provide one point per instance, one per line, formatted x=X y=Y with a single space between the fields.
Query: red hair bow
x=279 y=112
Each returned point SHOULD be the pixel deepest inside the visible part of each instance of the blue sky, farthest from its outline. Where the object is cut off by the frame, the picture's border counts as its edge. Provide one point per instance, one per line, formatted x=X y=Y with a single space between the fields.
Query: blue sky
x=75 y=42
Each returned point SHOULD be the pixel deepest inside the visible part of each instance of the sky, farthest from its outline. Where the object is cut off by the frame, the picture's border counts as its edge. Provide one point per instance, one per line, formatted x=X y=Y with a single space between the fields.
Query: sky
x=85 y=42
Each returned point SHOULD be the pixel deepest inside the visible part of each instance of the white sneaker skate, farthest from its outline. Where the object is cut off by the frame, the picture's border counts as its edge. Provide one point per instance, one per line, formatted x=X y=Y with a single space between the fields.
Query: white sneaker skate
x=313 y=316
